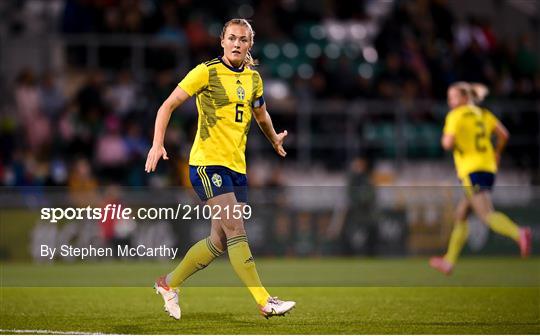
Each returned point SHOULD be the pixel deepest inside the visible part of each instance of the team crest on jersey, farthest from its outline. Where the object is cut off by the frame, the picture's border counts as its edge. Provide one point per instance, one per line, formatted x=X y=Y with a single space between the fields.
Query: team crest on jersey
x=216 y=179
x=240 y=93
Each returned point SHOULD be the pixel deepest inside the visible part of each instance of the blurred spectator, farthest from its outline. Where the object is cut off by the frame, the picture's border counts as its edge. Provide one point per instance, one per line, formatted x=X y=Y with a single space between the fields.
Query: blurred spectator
x=36 y=126
x=474 y=65
x=392 y=76
x=15 y=174
x=170 y=31
x=90 y=97
x=58 y=174
x=27 y=96
x=356 y=218
x=304 y=241
x=443 y=18
x=82 y=184
x=112 y=152
x=137 y=147
x=122 y=95
x=52 y=98
x=362 y=204
x=526 y=58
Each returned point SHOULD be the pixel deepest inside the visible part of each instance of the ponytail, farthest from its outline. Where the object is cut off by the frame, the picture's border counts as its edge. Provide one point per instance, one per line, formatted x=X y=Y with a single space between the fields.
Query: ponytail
x=479 y=92
x=249 y=61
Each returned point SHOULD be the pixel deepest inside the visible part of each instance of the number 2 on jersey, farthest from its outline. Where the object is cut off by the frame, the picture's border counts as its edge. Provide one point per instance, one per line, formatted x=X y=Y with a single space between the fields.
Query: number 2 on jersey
x=239 y=112
x=480 y=136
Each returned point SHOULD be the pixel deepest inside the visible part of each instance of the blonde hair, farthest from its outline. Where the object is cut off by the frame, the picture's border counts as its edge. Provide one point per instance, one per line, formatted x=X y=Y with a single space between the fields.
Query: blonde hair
x=475 y=92
x=248 y=60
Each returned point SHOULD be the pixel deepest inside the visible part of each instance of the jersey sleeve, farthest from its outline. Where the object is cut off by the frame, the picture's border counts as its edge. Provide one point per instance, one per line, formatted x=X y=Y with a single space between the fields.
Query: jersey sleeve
x=490 y=120
x=258 y=91
x=450 y=124
x=195 y=80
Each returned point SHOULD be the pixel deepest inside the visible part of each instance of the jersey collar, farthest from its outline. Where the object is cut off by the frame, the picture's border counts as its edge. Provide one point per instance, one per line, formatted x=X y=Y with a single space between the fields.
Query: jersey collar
x=240 y=69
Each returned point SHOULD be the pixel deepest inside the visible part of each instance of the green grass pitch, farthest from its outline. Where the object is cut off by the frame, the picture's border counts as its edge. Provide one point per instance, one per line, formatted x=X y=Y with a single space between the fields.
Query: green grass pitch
x=334 y=296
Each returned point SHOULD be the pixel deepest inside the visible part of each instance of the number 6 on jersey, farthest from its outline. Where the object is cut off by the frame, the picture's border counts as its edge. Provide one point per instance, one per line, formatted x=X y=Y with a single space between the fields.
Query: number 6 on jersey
x=239 y=112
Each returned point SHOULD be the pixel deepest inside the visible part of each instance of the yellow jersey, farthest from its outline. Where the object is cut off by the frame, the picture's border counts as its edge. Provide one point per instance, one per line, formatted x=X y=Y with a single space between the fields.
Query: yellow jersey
x=472 y=127
x=225 y=97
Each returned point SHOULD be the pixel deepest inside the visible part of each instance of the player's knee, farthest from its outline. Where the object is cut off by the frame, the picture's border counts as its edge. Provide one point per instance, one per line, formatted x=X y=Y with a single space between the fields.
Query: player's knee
x=238 y=231
x=233 y=227
x=460 y=214
x=484 y=217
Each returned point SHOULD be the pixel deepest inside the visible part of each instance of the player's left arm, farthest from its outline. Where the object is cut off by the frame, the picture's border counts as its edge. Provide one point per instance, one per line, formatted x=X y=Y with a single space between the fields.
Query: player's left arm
x=502 y=135
x=265 y=123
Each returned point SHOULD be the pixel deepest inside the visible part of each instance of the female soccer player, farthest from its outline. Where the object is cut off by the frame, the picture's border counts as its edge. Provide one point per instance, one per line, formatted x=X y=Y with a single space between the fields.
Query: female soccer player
x=227 y=90
x=467 y=132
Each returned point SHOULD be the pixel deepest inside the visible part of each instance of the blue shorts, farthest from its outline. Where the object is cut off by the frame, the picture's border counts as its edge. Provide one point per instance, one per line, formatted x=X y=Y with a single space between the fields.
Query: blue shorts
x=477 y=182
x=211 y=181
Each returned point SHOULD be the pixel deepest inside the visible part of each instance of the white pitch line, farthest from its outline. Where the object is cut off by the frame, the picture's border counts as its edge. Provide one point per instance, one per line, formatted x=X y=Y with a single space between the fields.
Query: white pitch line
x=48 y=332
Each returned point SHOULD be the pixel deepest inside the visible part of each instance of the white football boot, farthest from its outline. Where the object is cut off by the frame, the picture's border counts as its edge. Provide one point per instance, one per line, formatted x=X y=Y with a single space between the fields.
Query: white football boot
x=170 y=298
x=276 y=307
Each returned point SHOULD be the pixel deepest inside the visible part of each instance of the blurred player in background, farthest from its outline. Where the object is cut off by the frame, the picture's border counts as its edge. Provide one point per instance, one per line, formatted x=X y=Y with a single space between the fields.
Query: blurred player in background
x=467 y=132
x=227 y=90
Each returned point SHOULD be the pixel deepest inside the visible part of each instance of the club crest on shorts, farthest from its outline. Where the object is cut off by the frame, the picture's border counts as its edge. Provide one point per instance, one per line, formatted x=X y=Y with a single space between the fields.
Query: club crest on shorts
x=240 y=93
x=216 y=179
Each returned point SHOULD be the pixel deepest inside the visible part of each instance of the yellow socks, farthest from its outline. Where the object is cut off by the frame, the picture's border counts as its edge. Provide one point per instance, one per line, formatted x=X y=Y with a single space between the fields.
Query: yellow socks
x=503 y=225
x=197 y=257
x=244 y=266
x=457 y=240
x=203 y=252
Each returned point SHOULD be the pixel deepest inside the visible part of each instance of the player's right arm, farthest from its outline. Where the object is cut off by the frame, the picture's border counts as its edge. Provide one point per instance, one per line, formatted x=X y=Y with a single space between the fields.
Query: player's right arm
x=195 y=80
x=449 y=132
x=175 y=99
